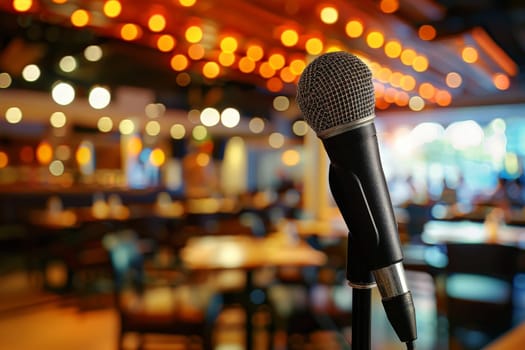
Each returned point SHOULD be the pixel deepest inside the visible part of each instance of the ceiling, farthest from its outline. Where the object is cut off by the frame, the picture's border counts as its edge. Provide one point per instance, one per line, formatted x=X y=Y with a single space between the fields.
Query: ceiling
x=136 y=70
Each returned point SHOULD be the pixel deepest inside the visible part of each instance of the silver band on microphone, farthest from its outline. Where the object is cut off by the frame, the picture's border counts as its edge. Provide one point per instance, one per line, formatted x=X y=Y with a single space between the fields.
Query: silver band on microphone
x=339 y=129
x=362 y=285
x=391 y=280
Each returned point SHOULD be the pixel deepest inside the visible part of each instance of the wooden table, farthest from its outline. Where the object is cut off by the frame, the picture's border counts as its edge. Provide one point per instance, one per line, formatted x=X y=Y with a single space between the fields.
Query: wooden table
x=248 y=253
x=512 y=340
x=441 y=231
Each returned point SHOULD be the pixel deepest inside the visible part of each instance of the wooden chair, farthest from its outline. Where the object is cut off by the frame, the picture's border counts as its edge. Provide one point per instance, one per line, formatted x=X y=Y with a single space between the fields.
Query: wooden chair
x=479 y=292
x=168 y=304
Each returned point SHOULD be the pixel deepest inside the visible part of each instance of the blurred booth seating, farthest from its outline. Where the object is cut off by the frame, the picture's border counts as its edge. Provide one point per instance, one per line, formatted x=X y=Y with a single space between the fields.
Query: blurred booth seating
x=158 y=302
x=479 y=292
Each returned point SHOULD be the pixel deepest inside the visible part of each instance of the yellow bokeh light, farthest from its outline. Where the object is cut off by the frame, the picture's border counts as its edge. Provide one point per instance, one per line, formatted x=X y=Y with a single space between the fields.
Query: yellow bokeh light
x=408 y=82
x=112 y=8
x=226 y=59
x=375 y=39
x=289 y=37
x=469 y=54
x=211 y=70
x=393 y=49
x=329 y=15
x=134 y=146
x=83 y=155
x=383 y=74
x=22 y=5
x=157 y=157
x=187 y=3
x=297 y=66
x=408 y=56
x=276 y=61
x=229 y=44
x=193 y=34
x=157 y=23
x=354 y=29
x=80 y=18
x=290 y=157
x=334 y=48
x=314 y=46
x=420 y=63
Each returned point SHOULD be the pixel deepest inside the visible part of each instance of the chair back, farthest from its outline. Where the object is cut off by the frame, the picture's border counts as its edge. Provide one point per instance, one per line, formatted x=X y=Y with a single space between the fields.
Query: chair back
x=479 y=291
x=494 y=260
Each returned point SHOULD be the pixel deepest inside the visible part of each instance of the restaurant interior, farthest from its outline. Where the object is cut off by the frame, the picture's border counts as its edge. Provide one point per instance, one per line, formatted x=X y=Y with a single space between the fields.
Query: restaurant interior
x=160 y=188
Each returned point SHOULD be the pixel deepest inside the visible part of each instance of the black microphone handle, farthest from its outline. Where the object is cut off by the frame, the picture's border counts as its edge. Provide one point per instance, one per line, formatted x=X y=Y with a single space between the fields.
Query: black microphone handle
x=359 y=188
x=360 y=191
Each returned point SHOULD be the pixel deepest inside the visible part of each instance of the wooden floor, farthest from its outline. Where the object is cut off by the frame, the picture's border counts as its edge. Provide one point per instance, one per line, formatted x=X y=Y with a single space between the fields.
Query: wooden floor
x=31 y=320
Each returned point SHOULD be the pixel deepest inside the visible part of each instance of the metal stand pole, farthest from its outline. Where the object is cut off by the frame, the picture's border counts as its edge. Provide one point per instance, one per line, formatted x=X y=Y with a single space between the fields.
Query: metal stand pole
x=362 y=282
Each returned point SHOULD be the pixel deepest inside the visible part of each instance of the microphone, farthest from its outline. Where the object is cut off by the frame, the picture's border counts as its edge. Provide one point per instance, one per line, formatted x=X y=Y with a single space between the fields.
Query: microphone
x=336 y=96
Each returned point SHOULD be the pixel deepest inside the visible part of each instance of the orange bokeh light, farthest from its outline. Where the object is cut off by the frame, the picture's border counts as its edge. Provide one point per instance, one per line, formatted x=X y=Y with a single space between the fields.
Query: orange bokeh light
x=501 y=81
x=179 y=62
x=130 y=31
x=426 y=32
x=211 y=70
x=165 y=43
x=80 y=18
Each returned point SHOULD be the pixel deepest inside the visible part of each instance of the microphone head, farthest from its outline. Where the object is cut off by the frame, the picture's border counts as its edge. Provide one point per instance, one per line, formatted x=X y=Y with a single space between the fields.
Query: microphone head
x=335 y=93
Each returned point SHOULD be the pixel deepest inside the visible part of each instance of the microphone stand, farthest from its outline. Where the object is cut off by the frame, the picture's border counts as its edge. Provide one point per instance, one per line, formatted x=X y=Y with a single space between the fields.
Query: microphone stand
x=361 y=280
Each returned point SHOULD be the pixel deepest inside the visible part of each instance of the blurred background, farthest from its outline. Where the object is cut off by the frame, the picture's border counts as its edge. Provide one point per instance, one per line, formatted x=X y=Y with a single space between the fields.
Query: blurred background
x=160 y=189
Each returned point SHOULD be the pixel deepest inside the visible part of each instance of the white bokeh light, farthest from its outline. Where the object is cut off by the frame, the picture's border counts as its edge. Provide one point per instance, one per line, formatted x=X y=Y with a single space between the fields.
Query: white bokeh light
x=464 y=134
x=31 y=72
x=230 y=117
x=210 y=117
x=93 y=53
x=68 y=64
x=63 y=93
x=13 y=115
x=99 y=97
x=58 y=119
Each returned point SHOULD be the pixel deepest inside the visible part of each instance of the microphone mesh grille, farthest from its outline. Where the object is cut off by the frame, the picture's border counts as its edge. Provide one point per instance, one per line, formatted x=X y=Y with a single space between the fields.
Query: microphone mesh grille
x=334 y=90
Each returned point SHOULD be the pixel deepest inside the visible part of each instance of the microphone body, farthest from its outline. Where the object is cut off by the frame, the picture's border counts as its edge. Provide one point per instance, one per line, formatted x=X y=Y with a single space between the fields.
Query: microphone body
x=360 y=191
x=336 y=96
